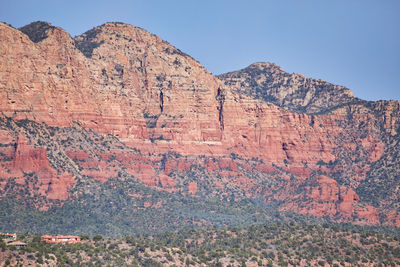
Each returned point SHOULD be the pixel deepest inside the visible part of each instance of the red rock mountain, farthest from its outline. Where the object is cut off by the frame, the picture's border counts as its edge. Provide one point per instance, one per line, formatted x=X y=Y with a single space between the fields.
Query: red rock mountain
x=118 y=101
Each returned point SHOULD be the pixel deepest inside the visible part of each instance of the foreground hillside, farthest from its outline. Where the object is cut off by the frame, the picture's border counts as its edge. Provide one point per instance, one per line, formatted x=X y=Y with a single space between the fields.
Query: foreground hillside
x=116 y=131
x=270 y=245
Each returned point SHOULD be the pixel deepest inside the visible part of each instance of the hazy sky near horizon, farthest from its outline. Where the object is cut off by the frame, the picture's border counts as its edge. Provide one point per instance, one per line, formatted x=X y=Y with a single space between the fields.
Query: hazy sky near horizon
x=352 y=43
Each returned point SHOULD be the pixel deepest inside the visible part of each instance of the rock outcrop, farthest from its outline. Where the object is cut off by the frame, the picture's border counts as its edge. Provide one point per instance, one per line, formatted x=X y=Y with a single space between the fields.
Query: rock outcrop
x=294 y=92
x=30 y=166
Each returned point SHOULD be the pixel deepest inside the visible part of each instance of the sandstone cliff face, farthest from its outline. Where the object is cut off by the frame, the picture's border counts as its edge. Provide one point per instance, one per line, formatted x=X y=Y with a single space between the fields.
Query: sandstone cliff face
x=23 y=161
x=130 y=84
x=118 y=103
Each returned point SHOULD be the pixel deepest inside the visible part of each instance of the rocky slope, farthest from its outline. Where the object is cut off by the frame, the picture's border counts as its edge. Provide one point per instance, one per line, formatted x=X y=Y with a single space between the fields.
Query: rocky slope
x=294 y=92
x=91 y=123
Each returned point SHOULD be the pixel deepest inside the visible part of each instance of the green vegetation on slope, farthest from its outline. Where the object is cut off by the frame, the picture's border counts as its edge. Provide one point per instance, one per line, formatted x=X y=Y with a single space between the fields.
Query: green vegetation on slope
x=263 y=245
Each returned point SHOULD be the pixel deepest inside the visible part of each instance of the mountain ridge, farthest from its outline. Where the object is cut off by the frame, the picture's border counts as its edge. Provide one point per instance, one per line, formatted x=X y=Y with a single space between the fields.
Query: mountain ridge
x=295 y=92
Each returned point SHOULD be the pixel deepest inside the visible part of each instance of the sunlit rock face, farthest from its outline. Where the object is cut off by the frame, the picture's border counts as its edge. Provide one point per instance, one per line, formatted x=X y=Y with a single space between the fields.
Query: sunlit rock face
x=320 y=149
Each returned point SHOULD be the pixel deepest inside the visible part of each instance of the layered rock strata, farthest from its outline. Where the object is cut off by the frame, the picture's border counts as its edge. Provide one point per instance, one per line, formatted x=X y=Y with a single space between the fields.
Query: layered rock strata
x=119 y=80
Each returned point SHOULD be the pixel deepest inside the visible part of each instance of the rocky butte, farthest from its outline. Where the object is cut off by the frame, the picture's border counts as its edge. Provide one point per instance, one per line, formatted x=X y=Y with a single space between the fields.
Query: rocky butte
x=118 y=109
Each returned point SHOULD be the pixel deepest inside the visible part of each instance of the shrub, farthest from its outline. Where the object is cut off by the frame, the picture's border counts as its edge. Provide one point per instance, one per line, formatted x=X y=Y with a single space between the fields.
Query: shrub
x=97 y=238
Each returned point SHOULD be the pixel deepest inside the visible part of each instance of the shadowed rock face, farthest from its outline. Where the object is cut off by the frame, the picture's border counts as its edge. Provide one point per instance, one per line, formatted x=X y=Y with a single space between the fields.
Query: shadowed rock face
x=37 y=31
x=119 y=104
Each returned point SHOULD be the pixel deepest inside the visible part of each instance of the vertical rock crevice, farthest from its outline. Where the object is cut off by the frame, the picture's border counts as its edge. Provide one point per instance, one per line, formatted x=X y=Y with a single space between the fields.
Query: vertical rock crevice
x=161 y=101
x=220 y=97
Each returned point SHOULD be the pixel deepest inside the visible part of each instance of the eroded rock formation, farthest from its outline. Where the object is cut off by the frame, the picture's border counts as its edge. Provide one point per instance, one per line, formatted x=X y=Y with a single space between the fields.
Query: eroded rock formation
x=118 y=102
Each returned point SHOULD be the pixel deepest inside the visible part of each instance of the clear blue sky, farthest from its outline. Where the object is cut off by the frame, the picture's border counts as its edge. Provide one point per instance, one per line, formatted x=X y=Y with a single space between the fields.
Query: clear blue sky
x=355 y=43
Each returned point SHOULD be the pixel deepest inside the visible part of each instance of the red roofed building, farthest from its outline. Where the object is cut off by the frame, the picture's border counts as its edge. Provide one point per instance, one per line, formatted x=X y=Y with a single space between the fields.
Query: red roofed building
x=69 y=239
x=18 y=244
x=7 y=235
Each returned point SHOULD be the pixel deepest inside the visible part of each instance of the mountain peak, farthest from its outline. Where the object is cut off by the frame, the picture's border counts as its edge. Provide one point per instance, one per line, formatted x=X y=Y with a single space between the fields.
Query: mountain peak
x=116 y=24
x=294 y=92
x=109 y=27
x=262 y=65
x=117 y=34
x=104 y=33
x=37 y=31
